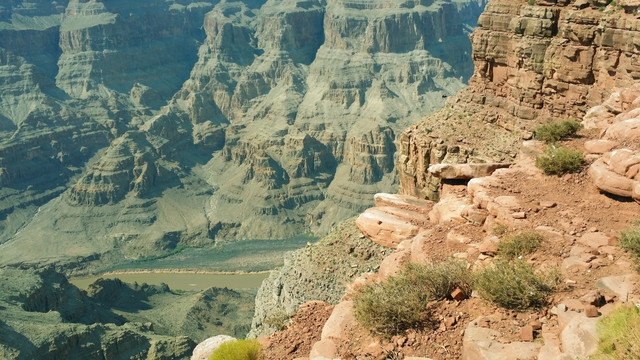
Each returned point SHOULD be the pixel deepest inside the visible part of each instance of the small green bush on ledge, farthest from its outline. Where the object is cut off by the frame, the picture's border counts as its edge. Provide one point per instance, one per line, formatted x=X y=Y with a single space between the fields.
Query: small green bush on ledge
x=560 y=160
x=630 y=240
x=514 y=285
x=521 y=244
x=400 y=303
x=619 y=334
x=238 y=350
x=556 y=131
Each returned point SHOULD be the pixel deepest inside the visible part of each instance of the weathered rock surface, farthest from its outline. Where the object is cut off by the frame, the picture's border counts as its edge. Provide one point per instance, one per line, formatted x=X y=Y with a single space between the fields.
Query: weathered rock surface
x=617 y=170
x=532 y=62
x=320 y=271
x=463 y=171
x=205 y=349
x=232 y=120
x=389 y=226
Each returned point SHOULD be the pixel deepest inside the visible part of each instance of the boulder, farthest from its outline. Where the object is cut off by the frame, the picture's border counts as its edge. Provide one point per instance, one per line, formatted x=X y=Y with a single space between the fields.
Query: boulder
x=594 y=240
x=480 y=344
x=448 y=210
x=204 y=350
x=610 y=182
x=579 y=336
x=388 y=226
x=339 y=322
x=624 y=130
x=600 y=146
x=621 y=285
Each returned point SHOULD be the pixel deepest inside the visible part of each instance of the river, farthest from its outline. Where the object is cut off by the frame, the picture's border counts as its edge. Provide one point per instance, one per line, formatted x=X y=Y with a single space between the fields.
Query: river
x=181 y=280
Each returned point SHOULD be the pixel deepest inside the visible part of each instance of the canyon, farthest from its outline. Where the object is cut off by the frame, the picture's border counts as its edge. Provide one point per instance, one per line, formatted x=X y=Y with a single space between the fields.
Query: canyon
x=133 y=129
x=130 y=131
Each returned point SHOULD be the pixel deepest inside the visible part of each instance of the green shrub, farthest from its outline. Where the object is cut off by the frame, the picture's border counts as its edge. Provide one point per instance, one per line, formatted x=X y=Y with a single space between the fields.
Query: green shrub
x=559 y=160
x=278 y=319
x=391 y=307
x=630 y=240
x=440 y=280
x=556 y=131
x=514 y=285
x=400 y=303
x=238 y=350
x=500 y=229
x=619 y=334
x=601 y=8
x=520 y=244
x=532 y=2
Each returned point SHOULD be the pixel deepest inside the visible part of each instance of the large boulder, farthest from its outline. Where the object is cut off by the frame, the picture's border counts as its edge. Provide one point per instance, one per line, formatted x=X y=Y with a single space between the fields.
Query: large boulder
x=204 y=350
x=617 y=173
x=389 y=226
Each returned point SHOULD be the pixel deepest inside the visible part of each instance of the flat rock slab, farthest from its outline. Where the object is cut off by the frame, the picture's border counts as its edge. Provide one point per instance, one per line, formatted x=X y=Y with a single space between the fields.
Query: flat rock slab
x=464 y=171
x=406 y=202
x=594 y=240
x=579 y=336
x=389 y=226
x=339 y=322
x=621 y=285
x=600 y=146
x=479 y=344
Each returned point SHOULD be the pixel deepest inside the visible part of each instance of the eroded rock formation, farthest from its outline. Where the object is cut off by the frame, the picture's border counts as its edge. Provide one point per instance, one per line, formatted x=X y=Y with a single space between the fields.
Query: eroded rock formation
x=533 y=62
x=193 y=121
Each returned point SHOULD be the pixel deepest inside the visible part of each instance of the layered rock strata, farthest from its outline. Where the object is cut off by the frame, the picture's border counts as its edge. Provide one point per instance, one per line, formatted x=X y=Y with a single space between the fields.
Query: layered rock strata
x=143 y=125
x=533 y=62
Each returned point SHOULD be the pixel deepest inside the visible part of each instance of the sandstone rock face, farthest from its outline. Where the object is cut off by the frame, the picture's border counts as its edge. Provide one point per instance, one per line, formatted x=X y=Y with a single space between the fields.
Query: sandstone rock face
x=236 y=120
x=389 y=226
x=532 y=63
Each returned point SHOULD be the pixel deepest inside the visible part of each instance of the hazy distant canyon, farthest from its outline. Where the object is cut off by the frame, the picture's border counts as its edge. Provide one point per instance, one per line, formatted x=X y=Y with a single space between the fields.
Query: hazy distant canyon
x=130 y=128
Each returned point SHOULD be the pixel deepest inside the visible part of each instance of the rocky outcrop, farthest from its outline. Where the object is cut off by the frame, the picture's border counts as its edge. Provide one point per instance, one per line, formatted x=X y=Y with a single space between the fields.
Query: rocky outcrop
x=533 y=62
x=317 y=272
x=618 y=120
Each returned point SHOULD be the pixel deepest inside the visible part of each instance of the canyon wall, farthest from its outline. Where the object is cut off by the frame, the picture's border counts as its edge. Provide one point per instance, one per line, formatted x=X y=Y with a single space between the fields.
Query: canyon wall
x=534 y=62
x=141 y=126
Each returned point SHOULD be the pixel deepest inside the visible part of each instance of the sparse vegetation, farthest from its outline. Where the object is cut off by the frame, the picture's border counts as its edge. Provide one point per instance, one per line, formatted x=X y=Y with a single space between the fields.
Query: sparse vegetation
x=558 y=130
x=500 y=230
x=238 y=350
x=515 y=285
x=560 y=160
x=601 y=8
x=521 y=244
x=278 y=319
x=630 y=240
x=619 y=334
x=400 y=303
x=532 y=2
x=439 y=280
